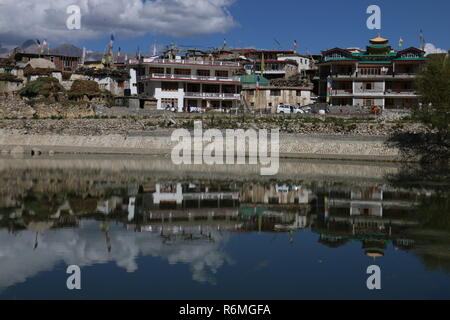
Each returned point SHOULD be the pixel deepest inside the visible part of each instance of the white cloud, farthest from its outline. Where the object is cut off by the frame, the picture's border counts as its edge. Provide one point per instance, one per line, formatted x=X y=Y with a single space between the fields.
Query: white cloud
x=86 y=247
x=29 y=19
x=431 y=48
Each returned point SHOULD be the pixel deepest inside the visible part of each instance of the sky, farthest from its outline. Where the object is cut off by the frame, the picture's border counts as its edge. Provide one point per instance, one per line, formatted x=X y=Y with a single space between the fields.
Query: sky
x=268 y=24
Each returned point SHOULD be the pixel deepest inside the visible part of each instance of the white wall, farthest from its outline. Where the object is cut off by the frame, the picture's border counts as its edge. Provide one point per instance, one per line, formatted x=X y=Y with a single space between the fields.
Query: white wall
x=133 y=82
x=303 y=63
x=155 y=86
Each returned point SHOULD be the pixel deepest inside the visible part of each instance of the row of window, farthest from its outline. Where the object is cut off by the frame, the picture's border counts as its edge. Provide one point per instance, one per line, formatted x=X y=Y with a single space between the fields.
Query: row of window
x=173 y=87
x=276 y=93
x=188 y=72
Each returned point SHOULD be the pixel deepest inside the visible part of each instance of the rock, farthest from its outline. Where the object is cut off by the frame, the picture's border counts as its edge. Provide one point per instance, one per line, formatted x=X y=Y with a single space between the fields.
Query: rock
x=36 y=152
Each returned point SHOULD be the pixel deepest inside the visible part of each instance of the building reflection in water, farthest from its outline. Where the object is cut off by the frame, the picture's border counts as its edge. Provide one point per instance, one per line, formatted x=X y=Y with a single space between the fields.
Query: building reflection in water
x=88 y=222
x=374 y=216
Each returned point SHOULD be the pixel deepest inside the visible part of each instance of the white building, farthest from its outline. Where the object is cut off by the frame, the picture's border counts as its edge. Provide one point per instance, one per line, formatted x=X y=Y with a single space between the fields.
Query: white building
x=183 y=83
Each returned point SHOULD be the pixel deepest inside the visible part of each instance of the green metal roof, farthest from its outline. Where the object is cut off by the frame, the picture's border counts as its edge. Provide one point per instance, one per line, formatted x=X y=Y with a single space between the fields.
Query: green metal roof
x=340 y=59
x=252 y=79
x=378 y=46
x=411 y=59
x=369 y=62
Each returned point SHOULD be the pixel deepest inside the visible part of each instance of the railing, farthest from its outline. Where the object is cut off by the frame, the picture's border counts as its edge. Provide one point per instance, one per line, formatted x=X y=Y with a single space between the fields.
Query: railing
x=208 y=63
x=382 y=75
x=410 y=92
x=342 y=92
x=342 y=75
x=187 y=77
x=206 y=95
x=272 y=71
x=375 y=92
x=406 y=75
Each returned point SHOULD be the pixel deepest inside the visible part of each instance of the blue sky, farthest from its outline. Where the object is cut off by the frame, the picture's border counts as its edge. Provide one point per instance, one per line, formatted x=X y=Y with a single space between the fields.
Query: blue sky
x=316 y=25
x=319 y=25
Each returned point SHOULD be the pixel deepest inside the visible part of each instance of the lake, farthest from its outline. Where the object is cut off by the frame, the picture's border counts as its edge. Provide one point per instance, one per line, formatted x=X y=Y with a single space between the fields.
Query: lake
x=139 y=228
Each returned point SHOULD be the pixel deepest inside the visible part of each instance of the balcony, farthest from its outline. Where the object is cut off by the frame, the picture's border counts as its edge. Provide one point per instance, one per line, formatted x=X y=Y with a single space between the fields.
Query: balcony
x=191 y=62
x=342 y=75
x=374 y=93
x=277 y=71
x=193 y=78
x=342 y=93
x=208 y=95
x=401 y=92
x=406 y=75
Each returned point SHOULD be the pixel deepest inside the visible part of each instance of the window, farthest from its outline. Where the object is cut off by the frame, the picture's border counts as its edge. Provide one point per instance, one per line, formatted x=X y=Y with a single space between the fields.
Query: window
x=168 y=103
x=368 y=102
x=203 y=73
x=275 y=93
x=410 y=55
x=299 y=93
x=155 y=70
x=370 y=71
x=185 y=72
x=222 y=74
x=169 y=86
x=335 y=55
x=67 y=64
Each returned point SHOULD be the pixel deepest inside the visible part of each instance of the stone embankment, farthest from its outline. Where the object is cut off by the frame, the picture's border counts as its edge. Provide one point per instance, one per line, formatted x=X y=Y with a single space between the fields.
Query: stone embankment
x=148 y=125
x=291 y=146
x=37 y=128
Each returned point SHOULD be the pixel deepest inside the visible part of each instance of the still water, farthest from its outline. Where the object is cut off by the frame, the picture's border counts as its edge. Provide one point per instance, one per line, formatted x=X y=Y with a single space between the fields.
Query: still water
x=140 y=229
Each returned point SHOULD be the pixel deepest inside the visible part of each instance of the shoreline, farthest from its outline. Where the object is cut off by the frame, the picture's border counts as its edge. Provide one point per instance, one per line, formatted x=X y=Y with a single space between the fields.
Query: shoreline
x=149 y=168
x=292 y=146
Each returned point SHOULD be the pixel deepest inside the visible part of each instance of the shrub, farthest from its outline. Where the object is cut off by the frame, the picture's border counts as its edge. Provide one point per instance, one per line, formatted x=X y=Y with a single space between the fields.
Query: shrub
x=82 y=88
x=46 y=86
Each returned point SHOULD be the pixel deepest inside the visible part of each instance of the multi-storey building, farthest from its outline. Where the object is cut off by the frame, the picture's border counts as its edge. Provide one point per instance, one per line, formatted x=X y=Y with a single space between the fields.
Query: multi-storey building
x=274 y=64
x=379 y=76
x=183 y=82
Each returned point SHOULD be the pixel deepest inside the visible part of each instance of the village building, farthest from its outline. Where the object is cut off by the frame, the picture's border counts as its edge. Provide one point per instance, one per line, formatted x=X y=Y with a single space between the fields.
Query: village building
x=9 y=84
x=62 y=63
x=10 y=67
x=181 y=82
x=275 y=64
x=260 y=95
x=377 y=77
x=39 y=67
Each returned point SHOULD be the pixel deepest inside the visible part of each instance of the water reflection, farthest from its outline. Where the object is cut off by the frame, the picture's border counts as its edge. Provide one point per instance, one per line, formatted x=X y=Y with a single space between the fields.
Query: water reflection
x=46 y=219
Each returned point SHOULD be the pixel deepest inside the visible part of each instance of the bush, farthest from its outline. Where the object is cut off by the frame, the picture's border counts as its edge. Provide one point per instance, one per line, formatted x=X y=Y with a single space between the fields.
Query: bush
x=46 y=86
x=82 y=88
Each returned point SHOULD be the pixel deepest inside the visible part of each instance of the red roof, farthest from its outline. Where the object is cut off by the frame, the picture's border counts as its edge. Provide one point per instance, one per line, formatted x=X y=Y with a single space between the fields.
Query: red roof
x=336 y=49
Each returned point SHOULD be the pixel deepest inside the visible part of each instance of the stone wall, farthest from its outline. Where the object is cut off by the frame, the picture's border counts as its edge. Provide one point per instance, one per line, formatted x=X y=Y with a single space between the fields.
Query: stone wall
x=290 y=146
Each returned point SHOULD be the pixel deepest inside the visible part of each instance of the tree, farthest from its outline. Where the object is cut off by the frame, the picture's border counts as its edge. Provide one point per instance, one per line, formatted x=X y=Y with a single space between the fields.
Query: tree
x=432 y=145
x=433 y=82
